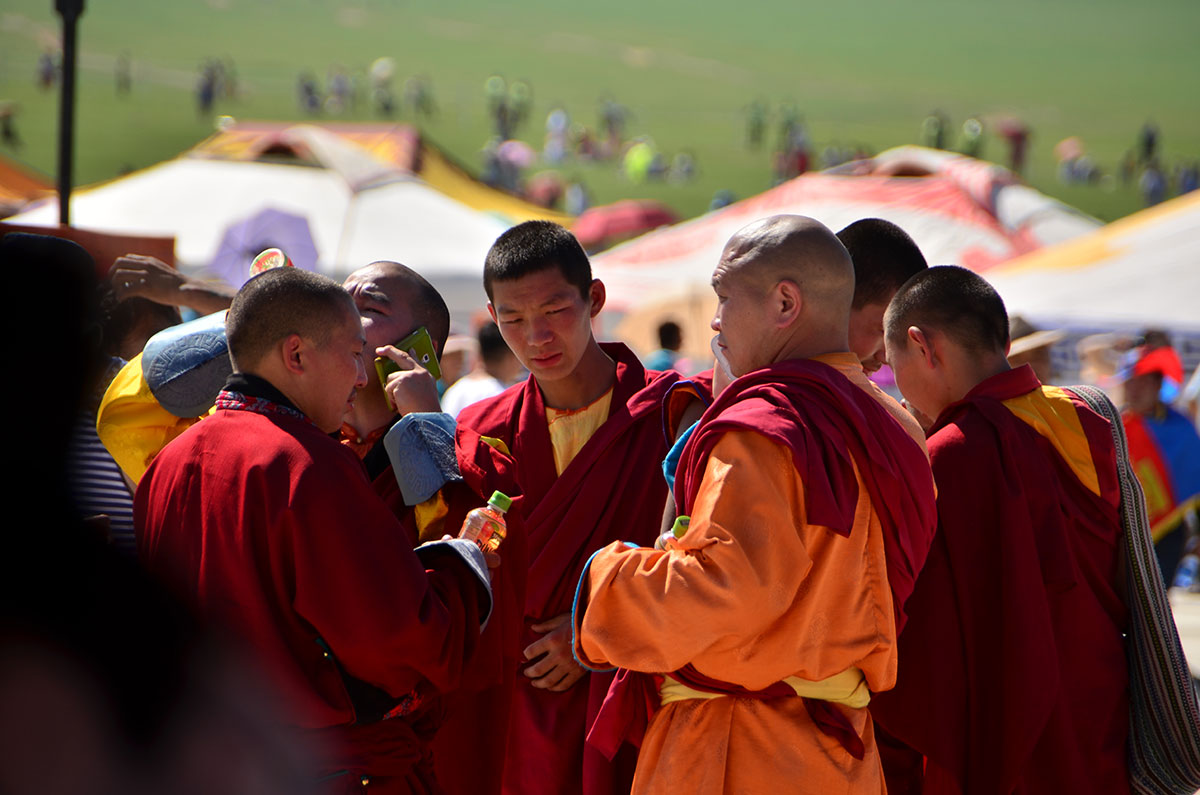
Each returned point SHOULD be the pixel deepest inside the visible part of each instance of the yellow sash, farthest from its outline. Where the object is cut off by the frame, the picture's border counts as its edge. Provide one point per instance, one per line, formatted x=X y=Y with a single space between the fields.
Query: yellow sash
x=849 y=688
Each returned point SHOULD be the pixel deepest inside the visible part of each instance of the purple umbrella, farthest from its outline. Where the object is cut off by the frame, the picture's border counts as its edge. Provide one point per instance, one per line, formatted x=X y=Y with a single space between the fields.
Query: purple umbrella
x=268 y=228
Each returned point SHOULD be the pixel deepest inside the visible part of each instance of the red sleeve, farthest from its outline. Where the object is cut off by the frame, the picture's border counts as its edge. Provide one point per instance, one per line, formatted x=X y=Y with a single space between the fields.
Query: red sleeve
x=387 y=625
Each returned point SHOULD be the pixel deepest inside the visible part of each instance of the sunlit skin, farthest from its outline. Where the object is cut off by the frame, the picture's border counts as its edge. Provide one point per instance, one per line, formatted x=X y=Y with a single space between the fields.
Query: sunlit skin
x=763 y=314
x=743 y=329
x=547 y=324
x=866 y=334
x=320 y=379
x=384 y=306
x=932 y=371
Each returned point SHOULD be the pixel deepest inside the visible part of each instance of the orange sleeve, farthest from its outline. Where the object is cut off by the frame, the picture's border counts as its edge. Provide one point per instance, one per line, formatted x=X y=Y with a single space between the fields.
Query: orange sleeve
x=752 y=594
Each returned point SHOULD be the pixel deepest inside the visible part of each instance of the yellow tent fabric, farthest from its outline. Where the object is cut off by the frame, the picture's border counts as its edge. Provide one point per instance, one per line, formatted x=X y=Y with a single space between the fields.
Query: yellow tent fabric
x=399 y=145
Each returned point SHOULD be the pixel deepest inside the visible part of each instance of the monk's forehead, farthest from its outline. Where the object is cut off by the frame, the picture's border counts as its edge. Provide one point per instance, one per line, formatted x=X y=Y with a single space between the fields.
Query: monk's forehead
x=380 y=283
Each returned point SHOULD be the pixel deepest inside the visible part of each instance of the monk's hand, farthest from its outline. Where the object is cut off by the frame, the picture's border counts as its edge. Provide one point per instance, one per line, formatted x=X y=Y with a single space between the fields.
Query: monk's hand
x=140 y=276
x=557 y=669
x=667 y=541
x=412 y=387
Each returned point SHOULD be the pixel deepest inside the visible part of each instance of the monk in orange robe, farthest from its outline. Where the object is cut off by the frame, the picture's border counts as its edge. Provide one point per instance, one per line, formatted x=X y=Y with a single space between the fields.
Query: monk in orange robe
x=768 y=624
x=1013 y=670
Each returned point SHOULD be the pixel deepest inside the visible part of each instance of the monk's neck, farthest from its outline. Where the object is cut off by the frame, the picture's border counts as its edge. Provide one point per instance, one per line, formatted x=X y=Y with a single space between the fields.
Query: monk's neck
x=371 y=410
x=967 y=371
x=591 y=378
x=809 y=342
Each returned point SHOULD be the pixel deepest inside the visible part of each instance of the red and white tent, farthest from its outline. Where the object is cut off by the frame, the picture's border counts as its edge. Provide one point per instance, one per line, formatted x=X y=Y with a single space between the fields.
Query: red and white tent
x=959 y=211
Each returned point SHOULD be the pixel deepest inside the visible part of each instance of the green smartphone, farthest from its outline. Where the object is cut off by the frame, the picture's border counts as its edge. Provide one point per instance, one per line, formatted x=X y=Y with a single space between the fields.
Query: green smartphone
x=418 y=345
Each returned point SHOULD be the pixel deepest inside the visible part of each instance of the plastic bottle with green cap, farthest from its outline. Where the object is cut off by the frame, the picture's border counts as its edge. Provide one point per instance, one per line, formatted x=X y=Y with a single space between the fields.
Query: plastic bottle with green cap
x=486 y=526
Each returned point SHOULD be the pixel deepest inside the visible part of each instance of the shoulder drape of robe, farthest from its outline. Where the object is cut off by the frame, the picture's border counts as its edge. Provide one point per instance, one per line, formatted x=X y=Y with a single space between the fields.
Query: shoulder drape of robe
x=271 y=528
x=612 y=489
x=1012 y=665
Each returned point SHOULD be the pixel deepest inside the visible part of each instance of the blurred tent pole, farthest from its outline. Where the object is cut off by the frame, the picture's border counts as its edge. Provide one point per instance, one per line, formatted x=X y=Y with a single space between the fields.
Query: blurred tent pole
x=70 y=11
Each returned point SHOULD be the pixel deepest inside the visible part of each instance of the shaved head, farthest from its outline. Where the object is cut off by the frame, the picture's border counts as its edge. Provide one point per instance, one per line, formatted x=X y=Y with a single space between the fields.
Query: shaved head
x=784 y=288
x=278 y=303
x=952 y=301
x=391 y=283
x=797 y=248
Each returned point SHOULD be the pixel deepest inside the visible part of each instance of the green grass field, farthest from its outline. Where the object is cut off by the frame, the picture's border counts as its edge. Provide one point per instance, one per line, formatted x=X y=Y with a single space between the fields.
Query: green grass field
x=861 y=71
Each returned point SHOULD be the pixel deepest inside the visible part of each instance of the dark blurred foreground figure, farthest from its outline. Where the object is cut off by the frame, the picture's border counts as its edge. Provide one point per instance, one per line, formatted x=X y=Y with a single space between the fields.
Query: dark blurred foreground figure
x=1013 y=674
x=106 y=684
x=270 y=527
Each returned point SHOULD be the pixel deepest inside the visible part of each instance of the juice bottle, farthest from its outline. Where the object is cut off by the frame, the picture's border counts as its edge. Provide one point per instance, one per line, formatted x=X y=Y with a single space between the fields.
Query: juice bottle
x=485 y=526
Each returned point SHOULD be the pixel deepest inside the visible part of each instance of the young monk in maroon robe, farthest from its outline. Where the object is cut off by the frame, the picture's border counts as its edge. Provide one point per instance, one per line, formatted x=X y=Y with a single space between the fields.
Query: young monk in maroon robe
x=579 y=445
x=1012 y=665
x=270 y=528
x=766 y=626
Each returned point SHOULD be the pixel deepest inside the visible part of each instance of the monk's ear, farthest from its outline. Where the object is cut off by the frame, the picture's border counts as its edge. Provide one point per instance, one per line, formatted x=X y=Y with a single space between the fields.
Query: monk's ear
x=294 y=350
x=786 y=300
x=492 y=312
x=923 y=345
x=597 y=295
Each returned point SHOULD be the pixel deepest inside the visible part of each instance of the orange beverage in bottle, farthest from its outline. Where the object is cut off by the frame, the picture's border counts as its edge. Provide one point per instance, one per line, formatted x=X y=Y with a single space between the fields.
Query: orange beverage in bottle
x=486 y=526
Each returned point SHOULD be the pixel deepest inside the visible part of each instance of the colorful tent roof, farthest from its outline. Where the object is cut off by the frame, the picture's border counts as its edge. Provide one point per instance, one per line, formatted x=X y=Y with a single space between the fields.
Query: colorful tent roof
x=1142 y=270
x=400 y=146
x=20 y=184
x=358 y=210
x=958 y=210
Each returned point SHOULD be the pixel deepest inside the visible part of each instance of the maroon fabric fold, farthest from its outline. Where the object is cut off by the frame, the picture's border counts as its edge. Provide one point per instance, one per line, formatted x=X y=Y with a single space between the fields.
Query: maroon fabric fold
x=829 y=425
x=826 y=716
x=1013 y=673
x=612 y=490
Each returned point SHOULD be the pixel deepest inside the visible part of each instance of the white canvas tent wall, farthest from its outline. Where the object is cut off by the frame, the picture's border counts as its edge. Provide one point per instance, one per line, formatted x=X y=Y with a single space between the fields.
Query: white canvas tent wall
x=1139 y=271
x=358 y=209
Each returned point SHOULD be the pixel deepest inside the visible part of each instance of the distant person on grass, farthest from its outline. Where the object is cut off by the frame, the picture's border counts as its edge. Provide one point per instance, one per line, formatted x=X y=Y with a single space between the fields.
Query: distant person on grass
x=670 y=340
x=496 y=369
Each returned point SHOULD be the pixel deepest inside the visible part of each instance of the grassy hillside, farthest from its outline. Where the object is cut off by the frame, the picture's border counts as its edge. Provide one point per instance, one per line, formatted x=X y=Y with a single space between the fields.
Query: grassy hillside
x=861 y=72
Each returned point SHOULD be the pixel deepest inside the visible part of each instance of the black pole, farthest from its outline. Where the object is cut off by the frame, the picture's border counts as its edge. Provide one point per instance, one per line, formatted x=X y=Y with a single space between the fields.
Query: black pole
x=69 y=10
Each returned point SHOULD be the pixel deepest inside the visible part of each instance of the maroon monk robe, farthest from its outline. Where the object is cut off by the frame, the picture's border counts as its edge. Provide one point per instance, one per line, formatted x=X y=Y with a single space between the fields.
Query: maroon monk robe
x=272 y=530
x=482 y=701
x=1012 y=666
x=613 y=490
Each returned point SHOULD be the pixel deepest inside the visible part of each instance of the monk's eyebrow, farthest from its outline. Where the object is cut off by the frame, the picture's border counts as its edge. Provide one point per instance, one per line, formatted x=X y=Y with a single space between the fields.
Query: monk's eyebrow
x=377 y=295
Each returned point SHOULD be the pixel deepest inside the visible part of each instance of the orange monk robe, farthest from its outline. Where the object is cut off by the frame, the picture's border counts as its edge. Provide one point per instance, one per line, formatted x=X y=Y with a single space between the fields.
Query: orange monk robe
x=753 y=595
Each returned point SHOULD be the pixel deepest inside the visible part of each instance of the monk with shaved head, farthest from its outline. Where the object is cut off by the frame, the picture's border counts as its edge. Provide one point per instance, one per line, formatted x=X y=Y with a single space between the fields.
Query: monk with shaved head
x=270 y=530
x=393 y=301
x=1013 y=675
x=760 y=629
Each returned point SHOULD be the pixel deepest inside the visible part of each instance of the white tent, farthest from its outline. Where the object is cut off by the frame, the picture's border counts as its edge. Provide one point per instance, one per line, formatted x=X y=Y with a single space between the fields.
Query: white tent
x=1139 y=271
x=358 y=210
